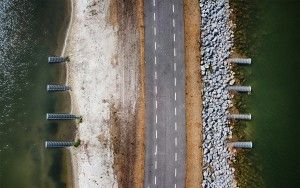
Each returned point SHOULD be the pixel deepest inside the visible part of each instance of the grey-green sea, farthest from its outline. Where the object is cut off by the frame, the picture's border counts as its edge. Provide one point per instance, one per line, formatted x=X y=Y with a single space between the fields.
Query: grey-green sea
x=268 y=31
x=30 y=30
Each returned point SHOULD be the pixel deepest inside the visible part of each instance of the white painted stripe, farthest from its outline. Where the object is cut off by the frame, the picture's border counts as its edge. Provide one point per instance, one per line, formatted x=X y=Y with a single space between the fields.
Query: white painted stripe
x=153 y=2
x=155 y=165
x=174 y=37
x=155 y=60
x=155 y=180
x=174 y=52
x=156 y=104
x=175 y=185
x=156 y=133
x=175 y=141
x=175 y=65
x=155 y=45
x=154 y=16
x=155 y=89
x=155 y=149
x=173 y=8
x=175 y=157
x=175 y=111
x=154 y=30
x=155 y=118
x=155 y=75
x=173 y=23
x=175 y=96
x=175 y=126
x=175 y=81
x=175 y=172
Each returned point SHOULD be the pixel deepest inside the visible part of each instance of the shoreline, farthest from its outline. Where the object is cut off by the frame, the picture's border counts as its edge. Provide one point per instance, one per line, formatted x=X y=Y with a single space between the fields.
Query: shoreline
x=103 y=74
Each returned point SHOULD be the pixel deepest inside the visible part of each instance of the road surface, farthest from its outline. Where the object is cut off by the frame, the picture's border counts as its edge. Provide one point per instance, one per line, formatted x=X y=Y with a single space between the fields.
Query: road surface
x=165 y=93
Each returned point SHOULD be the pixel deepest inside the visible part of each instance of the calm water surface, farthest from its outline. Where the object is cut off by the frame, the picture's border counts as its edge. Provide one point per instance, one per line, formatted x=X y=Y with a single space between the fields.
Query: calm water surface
x=29 y=31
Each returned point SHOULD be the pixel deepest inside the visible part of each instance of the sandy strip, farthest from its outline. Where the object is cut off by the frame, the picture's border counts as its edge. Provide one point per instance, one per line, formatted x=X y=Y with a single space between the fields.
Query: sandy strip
x=103 y=46
x=193 y=100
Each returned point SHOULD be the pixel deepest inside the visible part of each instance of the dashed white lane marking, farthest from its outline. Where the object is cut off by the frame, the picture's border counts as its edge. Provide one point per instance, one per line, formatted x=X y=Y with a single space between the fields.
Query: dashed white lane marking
x=173 y=23
x=156 y=104
x=175 y=96
x=156 y=133
x=174 y=37
x=155 y=149
x=175 y=111
x=175 y=157
x=155 y=45
x=175 y=185
x=155 y=180
x=175 y=67
x=175 y=126
x=175 y=172
x=173 y=8
x=155 y=60
x=175 y=141
x=155 y=118
x=154 y=31
x=155 y=75
x=154 y=16
x=175 y=81
x=155 y=89
x=174 y=51
x=153 y=2
x=155 y=165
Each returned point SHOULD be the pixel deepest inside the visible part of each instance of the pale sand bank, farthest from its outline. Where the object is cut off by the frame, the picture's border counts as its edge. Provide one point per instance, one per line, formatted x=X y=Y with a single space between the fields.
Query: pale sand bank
x=103 y=74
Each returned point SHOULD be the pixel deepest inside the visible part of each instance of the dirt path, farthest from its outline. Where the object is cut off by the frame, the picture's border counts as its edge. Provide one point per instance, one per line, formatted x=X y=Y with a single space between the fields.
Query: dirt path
x=140 y=129
x=193 y=94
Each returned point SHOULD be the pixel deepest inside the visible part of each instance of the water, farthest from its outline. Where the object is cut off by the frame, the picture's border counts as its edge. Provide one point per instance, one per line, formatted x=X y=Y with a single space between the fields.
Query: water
x=30 y=30
x=272 y=40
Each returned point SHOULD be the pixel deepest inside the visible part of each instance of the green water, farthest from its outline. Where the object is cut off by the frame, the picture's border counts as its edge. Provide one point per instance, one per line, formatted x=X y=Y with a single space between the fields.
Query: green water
x=30 y=31
x=269 y=33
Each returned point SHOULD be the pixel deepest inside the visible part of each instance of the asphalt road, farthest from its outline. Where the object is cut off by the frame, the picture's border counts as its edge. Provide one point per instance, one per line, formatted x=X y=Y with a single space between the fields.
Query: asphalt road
x=165 y=81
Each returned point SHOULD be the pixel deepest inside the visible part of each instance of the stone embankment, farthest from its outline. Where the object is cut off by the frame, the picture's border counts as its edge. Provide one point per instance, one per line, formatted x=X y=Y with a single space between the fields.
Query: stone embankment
x=217 y=41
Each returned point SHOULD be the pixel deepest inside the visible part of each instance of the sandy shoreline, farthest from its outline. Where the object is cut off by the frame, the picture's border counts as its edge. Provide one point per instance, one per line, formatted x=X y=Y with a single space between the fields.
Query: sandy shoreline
x=103 y=73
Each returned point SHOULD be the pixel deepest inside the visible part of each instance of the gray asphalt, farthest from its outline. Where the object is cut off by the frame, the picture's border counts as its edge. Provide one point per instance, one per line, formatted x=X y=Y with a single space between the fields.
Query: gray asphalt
x=166 y=167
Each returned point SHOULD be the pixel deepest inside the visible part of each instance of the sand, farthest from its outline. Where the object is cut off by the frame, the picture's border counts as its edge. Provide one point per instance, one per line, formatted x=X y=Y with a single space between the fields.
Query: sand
x=103 y=73
x=193 y=98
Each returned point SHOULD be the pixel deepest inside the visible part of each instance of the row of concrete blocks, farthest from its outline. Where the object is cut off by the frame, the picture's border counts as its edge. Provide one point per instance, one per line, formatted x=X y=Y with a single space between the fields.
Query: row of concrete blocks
x=243 y=89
